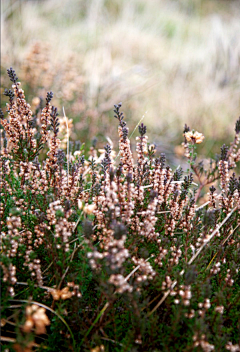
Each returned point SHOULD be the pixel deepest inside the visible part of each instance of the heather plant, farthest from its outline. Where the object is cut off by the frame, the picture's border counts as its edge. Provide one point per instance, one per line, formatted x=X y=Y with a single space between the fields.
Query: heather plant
x=101 y=252
x=89 y=107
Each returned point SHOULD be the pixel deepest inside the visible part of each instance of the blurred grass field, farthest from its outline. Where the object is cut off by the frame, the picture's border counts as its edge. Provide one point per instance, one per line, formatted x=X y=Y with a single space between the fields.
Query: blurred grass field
x=174 y=62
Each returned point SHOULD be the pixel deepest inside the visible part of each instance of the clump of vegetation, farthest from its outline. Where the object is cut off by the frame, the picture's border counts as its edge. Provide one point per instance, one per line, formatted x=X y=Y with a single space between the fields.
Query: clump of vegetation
x=103 y=253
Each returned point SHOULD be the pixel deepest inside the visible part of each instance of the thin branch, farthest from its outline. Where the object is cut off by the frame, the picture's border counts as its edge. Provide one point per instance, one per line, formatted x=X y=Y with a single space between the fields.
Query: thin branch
x=211 y=236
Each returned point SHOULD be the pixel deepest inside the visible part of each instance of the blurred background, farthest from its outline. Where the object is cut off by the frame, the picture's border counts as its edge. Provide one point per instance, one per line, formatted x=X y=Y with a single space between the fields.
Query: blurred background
x=171 y=61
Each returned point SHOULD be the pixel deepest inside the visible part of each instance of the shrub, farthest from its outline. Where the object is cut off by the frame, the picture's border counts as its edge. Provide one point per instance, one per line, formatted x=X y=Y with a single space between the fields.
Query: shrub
x=100 y=252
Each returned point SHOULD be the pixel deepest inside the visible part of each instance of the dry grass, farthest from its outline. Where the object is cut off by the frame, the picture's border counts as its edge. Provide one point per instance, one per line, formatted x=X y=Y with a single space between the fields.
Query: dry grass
x=177 y=60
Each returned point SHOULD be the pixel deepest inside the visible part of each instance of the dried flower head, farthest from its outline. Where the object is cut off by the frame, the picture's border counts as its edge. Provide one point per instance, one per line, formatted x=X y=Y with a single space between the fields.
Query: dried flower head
x=194 y=137
x=89 y=209
x=36 y=317
x=61 y=294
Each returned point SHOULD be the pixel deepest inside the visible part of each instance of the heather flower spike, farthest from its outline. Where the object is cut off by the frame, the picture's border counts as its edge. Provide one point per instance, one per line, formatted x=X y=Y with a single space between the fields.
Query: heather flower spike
x=54 y=120
x=186 y=128
x=142 y=129
x=1 y=114
x=9 y=93
x=12 y=75
x=224 y=152
x=49 y=97
x=212 y=189
x=119 y=115
x=237 y=126
x=178 y=174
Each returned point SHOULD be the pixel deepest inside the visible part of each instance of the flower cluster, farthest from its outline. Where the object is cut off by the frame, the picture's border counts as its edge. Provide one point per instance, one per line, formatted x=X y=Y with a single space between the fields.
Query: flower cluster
x=36 y=318
x=194 y=137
